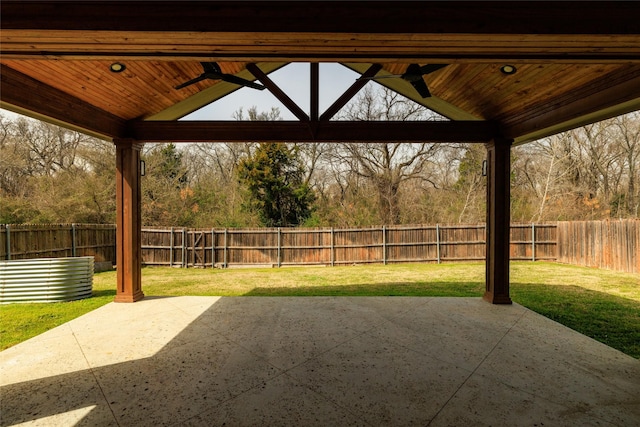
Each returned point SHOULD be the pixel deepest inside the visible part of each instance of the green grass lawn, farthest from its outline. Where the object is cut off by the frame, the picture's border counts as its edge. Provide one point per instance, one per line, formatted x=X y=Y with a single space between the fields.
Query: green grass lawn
x=602 y=304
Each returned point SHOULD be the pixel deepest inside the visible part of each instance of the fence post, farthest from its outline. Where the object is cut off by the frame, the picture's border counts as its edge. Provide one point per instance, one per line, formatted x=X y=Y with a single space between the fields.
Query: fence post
x=485 y=241
x=8 y=233
x=73 y=240
x=184 y=248
x=213 y=248
x=384 y=245
x=193 y=249
x=279 y=245
x=533 y=241
x=438 y=242
x=171 y=243
x=224 y=261
x=332 y=248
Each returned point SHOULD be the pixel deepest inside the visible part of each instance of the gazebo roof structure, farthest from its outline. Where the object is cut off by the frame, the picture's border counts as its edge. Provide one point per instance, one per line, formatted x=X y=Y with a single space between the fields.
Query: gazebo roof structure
x=575 y=63
x=502 y=72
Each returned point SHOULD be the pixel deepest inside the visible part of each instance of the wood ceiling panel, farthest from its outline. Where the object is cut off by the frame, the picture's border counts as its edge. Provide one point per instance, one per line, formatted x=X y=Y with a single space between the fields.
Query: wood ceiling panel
x=546 y=88
x=484 y=91
x=619 y=85
x=31 y=97
x=147 y=87
x=143 y=89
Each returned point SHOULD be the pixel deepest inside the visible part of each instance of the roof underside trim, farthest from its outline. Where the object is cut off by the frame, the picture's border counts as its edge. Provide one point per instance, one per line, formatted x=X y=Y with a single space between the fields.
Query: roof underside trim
x=617 y=110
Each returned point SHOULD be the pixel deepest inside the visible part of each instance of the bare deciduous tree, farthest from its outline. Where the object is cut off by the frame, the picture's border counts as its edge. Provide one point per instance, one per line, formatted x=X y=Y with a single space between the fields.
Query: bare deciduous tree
x=49 y=174
x=628 y=138
x=386 y=166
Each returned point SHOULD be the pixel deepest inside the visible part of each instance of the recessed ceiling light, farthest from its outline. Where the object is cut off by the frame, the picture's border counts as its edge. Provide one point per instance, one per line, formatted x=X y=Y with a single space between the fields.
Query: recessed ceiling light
x=508 y=69
x=117 y=67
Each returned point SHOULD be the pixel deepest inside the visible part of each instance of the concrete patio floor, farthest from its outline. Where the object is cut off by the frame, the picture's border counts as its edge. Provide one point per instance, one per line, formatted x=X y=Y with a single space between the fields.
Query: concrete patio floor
x=325 y=361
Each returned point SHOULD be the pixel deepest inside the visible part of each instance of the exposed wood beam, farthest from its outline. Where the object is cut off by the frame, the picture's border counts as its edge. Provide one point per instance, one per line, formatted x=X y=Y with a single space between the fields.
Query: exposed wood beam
x=24 y=95
x=350 y=92
x=584 y=120
x=403 y=17
x=328 y=31
x=285 y=46
x=597 y=101
x=209 y=53
x=314 y=96
x=288 y=131
x=277 y=92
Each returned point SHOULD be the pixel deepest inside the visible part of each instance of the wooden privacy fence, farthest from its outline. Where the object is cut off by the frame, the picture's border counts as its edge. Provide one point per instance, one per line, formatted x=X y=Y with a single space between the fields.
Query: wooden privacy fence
x=613 y=244
x=329 y=246
x=604 y=244
x=27 y=241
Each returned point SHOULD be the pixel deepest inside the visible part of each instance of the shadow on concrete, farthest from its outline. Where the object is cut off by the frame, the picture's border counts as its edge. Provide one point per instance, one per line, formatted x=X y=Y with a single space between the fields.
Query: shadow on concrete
x=317 y=361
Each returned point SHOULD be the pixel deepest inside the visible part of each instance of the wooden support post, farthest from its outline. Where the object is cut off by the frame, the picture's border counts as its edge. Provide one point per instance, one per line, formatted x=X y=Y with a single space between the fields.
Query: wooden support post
x=498 y=221
x=128 y=223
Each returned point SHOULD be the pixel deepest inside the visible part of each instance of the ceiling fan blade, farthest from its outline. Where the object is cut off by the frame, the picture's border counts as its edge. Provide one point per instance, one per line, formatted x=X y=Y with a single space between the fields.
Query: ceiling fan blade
x=211 y=67
x=412 y=73
x=240 y=81
x=430 y=68
x=386 y=76
x=414 y=76
x=421 y=87
x=192 y=81
x=211 y=71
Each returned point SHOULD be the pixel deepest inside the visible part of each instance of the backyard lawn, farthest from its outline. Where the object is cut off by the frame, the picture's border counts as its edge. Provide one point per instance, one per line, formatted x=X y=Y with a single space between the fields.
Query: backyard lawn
x=602 y=304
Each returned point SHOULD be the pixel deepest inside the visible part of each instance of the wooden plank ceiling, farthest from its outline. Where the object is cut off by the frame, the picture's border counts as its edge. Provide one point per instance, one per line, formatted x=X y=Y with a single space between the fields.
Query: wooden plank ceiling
x=573 y=64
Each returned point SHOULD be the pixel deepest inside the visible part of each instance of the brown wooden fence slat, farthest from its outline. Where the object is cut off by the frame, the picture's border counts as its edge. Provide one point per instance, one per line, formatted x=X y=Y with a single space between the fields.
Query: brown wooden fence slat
x=613 y=244
x=28 y=241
